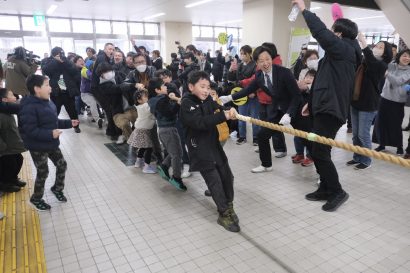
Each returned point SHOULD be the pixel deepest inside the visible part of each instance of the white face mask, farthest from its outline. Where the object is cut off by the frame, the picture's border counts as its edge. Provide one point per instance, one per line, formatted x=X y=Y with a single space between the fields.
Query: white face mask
x=109 y=75
x=378 y=53
x=312 y=64
x=141 y=68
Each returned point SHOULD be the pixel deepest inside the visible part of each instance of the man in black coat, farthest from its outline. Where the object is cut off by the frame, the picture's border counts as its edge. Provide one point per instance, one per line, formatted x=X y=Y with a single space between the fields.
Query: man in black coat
x=279 y=98
x=184 y=70
x=63 y=81
x=330 y=98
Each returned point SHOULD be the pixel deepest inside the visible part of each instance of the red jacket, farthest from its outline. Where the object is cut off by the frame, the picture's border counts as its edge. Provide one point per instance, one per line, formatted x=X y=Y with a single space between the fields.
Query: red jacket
x=262 y=96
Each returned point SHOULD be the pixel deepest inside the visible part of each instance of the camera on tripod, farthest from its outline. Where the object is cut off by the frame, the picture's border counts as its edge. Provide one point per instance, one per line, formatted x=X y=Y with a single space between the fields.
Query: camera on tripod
x=26 y=55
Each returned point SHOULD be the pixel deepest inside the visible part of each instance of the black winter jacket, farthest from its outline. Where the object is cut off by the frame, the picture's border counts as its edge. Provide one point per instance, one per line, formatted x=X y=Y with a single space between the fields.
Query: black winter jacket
x=95 y=80
x=54 y=69
x=164 y=110
x=113 y=94
x=37 y=120
x=201 y=135
x=374 y=71
x=333 y=85
x=173 y=67
x=183 y=75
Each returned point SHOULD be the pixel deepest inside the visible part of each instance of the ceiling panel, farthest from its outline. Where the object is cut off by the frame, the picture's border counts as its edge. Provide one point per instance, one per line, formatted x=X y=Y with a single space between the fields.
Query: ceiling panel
x=135 y=10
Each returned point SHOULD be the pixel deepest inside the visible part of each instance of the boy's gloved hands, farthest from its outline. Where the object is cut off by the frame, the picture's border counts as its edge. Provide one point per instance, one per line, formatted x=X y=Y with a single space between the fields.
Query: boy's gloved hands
x=406 y=87
x=285 y=120
x=226 y=99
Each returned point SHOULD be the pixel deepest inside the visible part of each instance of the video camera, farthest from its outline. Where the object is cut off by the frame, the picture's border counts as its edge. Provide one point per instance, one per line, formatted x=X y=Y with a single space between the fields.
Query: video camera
x=23 y=54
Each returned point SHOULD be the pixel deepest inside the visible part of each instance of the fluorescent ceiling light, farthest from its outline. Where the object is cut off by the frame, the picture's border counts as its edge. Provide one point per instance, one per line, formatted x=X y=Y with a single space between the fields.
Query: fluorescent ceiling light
x=51 y=9
x=197 y=3
x=154 y=16
x=315 y=8
x=370 y=17
x=229 y=22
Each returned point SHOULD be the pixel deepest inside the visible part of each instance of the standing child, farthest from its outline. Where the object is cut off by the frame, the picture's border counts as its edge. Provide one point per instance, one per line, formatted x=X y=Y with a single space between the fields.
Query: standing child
x=303 y=123
x=165 y=108
x=200 y=118
x=141 y=136
x=11 y=147
x=39 y=126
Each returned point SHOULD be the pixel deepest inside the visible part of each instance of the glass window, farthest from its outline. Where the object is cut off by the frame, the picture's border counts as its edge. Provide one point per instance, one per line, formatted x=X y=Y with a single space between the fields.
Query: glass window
x=150 y=45
x=204 y=46
x=81 y=45
x=39 y=45
x=103 y=27
x=122 y=44
x=240 y=33
x=64 y=43
x=151 y=29
x=28 y=24
x=207 y=32
x=9 y=22
x=58 y=25
x=136 y=29
x=7 y=45
x=233 y=31
x=83 y=26
x=119 y=28
x=196 y=31
x=219 y=30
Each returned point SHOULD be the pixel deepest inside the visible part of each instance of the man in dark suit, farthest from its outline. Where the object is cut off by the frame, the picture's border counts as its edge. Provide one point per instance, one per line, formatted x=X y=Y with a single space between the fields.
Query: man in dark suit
x=279 y=97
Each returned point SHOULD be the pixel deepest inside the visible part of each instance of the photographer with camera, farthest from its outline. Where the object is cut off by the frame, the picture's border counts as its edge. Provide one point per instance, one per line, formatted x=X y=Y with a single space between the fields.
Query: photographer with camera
x=63 y=81
x=19 y=66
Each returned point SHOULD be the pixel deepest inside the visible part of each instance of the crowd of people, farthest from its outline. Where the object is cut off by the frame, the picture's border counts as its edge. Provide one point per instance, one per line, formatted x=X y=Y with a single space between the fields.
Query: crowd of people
x=179 y=115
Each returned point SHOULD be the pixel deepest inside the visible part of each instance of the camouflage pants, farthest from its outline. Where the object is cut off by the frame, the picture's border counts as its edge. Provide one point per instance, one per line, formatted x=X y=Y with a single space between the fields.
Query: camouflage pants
x=40 y=160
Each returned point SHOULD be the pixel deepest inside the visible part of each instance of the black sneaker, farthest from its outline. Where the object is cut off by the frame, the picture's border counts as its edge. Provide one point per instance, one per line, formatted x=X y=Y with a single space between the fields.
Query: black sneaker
x=163 y=172
x=100 y=123
x=225 y=220
x=400 y=151
x=351 y=163
x=361 y=166
x=177 y=183
x=9 y=188
x=317 y=196
x=59 y=195
x=241 y=141
x=380 y=148
x=20 y=183
x=207 y=193
x=77 y=130
x=335 y=201
x=255 y=142
x=40 y=205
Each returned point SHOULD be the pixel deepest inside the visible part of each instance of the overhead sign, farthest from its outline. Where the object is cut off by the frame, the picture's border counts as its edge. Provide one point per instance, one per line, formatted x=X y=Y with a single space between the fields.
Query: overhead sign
x=39 y=20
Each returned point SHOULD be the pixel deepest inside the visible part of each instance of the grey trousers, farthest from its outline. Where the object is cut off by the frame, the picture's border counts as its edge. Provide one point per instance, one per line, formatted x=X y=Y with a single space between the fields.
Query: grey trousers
x=170 y=139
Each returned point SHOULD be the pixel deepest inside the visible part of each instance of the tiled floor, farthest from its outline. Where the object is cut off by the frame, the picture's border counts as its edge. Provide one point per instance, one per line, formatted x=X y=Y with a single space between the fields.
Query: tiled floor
x=120 y=220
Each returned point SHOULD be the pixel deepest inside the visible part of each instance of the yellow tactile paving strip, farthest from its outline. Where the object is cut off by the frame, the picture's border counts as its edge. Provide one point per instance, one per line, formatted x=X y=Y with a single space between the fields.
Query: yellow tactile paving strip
x=21 y=244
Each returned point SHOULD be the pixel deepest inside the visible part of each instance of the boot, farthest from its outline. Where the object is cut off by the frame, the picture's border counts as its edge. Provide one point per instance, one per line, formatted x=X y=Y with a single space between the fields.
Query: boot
x=233 y=214
x=225 y=220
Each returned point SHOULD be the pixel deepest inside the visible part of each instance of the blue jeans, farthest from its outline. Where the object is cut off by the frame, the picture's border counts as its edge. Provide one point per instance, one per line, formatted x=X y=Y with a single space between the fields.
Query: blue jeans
x=361 y=124
x=251 y=108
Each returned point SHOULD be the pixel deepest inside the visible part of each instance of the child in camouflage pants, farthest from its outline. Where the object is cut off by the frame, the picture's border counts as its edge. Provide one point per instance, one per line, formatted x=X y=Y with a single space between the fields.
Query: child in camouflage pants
x=39 y=126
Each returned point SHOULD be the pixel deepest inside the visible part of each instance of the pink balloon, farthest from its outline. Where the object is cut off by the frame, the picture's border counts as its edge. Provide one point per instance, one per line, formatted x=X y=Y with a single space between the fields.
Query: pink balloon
x=336 y=11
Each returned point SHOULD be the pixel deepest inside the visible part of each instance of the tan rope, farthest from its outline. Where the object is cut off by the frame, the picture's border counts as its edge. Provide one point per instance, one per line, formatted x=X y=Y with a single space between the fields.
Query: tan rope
x=328 y=141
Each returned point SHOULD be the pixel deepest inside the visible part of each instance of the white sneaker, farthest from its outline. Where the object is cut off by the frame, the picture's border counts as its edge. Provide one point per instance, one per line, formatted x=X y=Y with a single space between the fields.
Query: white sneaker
x=121 y=140
x=149 y=169
x=139 y=163
x=280 y=154
x=261 y=169
x=185 y=172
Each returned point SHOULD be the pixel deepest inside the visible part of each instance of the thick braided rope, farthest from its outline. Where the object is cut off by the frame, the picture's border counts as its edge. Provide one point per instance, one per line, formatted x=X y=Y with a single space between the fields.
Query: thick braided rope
x=328 y=141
